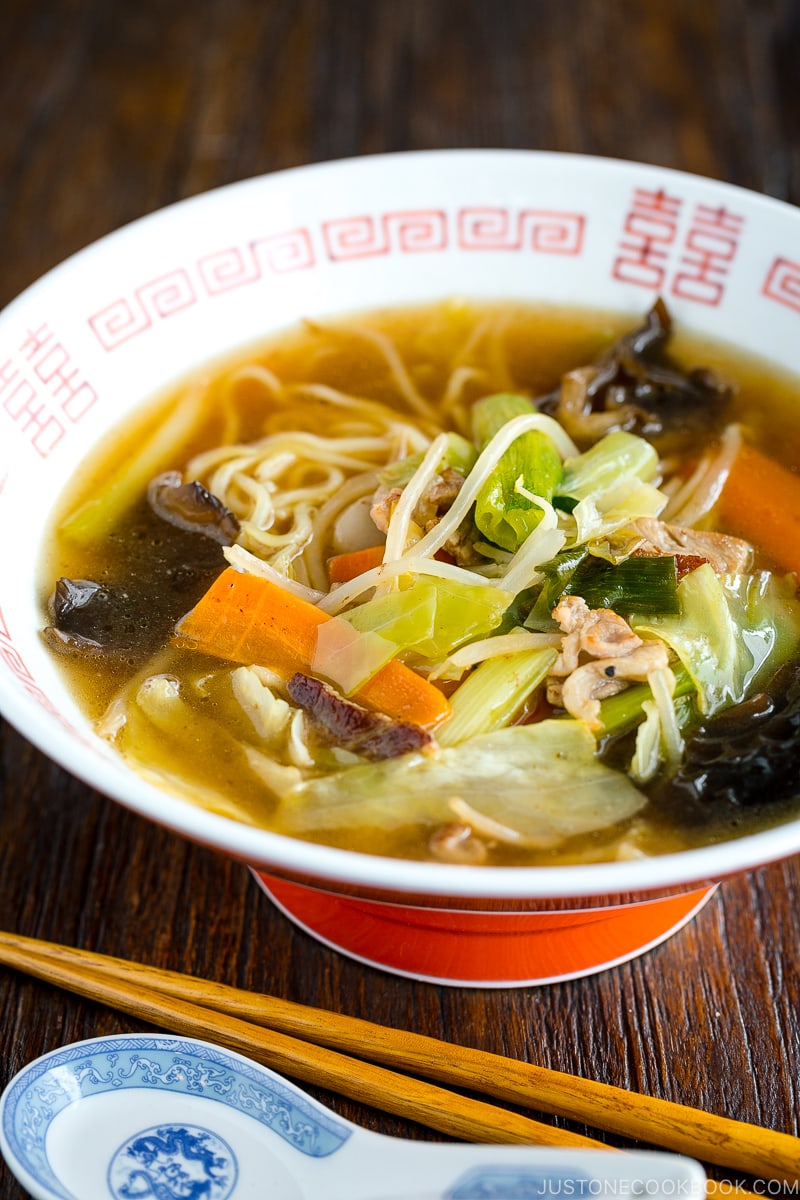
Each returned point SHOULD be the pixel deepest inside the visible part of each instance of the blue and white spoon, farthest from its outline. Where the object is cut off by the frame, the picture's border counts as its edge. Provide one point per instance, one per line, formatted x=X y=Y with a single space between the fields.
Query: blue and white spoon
x=159 y=1117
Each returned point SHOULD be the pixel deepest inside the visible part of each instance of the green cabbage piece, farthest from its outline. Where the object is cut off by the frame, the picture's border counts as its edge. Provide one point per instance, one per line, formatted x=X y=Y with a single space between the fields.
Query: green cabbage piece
x=348 y=657
x=615 y=457
x=503 y=513
x=732 y=633
x=489 y=415
x=598 y=516
x=432 y=616
x=609 y=486
x=543 y=781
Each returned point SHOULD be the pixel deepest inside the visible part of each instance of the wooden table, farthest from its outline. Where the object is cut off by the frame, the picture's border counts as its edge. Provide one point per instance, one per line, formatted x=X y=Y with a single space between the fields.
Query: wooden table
x=110 y=111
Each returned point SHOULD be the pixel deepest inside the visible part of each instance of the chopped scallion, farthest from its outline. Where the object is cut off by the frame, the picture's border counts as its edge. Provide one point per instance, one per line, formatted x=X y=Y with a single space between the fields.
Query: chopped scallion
x=644 y=585
x=624 y=711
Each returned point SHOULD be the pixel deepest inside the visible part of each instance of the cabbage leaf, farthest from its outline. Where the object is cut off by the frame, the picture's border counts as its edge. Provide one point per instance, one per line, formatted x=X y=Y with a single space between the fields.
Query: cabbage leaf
x=432 y=616
x=601 y=514
x=505 y=513
x=615 y=457
x=733 y=631
x=542 y=781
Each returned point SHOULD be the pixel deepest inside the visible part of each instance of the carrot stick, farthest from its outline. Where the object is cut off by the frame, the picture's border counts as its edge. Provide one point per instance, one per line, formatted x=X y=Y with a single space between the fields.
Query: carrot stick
x=248 y=619
x=343 y=567
x=761 y=502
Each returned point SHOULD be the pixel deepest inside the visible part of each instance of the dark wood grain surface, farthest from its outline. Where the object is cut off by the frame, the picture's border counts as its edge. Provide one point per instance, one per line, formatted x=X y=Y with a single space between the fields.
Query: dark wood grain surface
x=111 y=110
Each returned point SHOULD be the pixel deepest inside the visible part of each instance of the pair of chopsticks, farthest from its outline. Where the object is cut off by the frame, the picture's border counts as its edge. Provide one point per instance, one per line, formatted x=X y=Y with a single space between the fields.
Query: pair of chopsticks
x=343 y=1054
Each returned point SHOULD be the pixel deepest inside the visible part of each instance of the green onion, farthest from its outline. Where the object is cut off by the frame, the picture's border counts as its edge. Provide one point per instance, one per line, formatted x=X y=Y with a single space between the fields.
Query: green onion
x=624 y=711
x=557 y=573
x=642 y=585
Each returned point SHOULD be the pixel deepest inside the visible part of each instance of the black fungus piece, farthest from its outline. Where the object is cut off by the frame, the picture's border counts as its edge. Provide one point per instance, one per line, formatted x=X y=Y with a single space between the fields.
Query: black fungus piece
x=744 y=757
x=75 y=644
x=153 y=574
x=90 y=618
x=74 y=596
x=191 y=507
x=651 y=394
x=637 y=364
x=351 y=727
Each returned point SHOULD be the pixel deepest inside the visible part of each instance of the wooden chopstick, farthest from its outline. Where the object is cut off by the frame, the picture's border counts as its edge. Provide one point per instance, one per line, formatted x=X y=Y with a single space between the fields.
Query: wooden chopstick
x=760 y=1152
x=414 y=1099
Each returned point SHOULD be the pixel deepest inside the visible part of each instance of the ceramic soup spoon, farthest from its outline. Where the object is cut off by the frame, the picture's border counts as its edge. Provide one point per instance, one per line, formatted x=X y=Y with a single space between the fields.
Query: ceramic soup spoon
x=158 y=1117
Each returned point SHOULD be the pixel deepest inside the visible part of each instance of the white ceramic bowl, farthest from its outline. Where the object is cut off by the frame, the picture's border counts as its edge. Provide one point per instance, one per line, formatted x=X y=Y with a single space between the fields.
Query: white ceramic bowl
x=111 y=326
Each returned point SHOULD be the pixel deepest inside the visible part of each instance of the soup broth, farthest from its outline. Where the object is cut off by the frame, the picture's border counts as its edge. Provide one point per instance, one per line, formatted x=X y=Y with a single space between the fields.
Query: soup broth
x=284 y=469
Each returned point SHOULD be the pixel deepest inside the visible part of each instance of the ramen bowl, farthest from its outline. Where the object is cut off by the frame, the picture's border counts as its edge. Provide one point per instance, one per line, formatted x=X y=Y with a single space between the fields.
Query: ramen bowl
x=111 y=327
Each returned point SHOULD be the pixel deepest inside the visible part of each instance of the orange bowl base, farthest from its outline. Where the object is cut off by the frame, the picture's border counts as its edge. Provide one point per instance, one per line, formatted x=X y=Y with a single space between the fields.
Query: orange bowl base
x=470 y=948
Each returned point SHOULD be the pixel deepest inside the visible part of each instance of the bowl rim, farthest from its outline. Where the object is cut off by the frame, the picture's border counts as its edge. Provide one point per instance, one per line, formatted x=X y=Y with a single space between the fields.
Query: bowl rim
x=325 y=865
x=370 y=161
